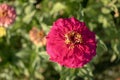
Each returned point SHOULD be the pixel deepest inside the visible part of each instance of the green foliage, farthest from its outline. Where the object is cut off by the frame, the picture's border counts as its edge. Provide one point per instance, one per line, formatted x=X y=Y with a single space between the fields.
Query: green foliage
x=20 y=59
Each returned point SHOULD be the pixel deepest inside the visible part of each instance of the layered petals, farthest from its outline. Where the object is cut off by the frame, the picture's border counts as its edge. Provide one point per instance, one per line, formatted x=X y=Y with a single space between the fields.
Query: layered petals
x=7 y=15
x=70 y=43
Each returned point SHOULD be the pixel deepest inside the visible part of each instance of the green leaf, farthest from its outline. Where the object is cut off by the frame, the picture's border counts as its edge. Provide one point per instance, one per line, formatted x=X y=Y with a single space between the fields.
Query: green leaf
x=68 y=73
x=105 y=10
x=28 y=9
x=113 y=58
x=32 y=1
x=23 y=53
x=57 y=7
x=45 y=27
x=44 y=55
x=28 y=17
x=101 y=47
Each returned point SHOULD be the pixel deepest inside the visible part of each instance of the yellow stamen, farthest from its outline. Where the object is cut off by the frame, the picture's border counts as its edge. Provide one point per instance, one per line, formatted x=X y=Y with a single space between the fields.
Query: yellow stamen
x=73 y=38
x=3 y=13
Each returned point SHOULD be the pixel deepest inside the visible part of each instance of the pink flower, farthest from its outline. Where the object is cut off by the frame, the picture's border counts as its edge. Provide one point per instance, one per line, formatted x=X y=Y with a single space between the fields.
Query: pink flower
x=7 y=15
x=37 y=37
x=70 y=43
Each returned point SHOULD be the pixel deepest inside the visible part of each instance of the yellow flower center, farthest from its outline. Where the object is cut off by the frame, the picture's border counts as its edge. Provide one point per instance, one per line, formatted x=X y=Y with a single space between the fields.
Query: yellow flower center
x=3 y=13
x=73 y=38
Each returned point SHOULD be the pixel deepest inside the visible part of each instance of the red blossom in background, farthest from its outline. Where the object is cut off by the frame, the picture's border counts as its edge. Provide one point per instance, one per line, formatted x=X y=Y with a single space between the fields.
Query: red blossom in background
x=7 y=15
x=70 y=43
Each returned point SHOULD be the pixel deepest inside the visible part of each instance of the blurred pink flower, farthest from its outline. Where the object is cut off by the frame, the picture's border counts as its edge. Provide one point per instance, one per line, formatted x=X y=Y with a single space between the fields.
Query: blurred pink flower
x=70 y=43
x=7 y=15
x=37 y=36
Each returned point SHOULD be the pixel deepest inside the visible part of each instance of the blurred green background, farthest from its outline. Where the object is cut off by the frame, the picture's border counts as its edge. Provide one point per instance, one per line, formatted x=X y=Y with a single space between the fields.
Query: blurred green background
x=20 y=59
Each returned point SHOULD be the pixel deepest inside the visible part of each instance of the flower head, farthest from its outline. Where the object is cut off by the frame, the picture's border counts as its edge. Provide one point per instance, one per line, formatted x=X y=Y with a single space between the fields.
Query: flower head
x=70 y=43
x=2 y=31
x=37 y=36
x=7 y=15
